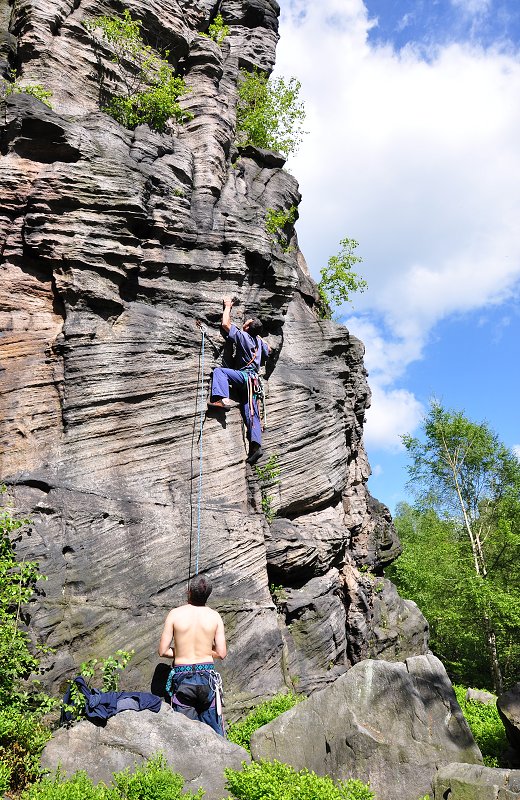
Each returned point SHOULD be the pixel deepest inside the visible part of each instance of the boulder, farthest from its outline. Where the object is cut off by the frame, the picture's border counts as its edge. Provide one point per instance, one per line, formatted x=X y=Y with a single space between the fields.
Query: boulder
x=134 y=736
x=508 y=705
x=474 y=782
x=390 y=724
x=480 y=696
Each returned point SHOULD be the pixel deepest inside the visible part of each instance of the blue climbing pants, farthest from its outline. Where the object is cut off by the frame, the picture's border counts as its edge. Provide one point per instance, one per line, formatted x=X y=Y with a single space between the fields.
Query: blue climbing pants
x=222 y=379
x=196 y=692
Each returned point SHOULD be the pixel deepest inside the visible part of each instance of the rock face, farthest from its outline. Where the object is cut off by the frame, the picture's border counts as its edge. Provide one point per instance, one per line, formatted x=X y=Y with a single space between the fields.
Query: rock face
x=114 y=243
x=471 y=782
x=134 y=736
x=390 y=724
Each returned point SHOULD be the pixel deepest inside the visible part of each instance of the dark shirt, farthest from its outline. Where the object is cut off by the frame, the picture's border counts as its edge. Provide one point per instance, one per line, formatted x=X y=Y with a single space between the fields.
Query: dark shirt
x=100 y=706
x=245 y=347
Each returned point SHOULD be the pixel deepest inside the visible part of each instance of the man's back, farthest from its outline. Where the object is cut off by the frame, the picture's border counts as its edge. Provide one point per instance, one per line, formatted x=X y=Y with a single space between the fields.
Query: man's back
x=198 y=634
x=194 y=629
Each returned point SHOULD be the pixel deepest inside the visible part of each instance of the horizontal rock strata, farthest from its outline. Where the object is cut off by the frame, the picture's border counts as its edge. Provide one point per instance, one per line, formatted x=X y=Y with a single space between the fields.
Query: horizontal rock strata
x=114 y=245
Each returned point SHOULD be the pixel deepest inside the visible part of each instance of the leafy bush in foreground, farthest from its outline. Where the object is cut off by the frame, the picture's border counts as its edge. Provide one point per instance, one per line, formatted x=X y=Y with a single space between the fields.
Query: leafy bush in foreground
x=22 y=704
x=240 y=732
x=270 y=780
x=486 y=727
x=152 y=781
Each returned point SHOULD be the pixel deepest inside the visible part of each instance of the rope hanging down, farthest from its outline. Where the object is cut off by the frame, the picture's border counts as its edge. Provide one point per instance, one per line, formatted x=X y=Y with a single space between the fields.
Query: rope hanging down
x=202 y=412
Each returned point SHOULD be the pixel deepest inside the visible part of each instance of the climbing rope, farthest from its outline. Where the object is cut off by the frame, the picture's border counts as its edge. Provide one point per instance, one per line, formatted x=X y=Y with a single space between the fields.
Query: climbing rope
x=201 y=429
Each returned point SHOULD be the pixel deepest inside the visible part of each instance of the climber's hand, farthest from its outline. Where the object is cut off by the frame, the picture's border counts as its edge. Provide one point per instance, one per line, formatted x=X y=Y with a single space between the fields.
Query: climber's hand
x=227 y=302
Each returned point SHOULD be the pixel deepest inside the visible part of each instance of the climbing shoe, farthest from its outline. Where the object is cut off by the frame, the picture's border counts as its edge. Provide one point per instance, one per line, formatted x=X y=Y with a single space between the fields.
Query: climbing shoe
x=254 y=454
x=220 y=405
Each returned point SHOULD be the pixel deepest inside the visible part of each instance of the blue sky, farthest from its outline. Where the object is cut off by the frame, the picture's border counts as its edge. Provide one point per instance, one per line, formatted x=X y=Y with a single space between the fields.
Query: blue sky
x=413 y=149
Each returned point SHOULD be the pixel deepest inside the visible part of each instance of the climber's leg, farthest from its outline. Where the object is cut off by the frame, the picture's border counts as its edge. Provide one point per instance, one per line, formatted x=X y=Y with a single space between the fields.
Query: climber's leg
x=254 y=429
x=222 y=378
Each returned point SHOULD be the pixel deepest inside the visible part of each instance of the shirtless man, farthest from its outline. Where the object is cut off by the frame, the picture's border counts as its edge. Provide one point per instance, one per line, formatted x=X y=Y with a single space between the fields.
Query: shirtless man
x=193 y=635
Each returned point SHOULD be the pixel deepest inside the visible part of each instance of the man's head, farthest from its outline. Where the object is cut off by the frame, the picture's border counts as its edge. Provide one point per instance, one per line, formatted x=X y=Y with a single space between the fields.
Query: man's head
x=199 y=591
x=253 y=326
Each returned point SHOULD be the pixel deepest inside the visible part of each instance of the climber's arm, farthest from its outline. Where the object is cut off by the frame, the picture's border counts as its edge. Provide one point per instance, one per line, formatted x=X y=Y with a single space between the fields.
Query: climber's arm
x=226 y=314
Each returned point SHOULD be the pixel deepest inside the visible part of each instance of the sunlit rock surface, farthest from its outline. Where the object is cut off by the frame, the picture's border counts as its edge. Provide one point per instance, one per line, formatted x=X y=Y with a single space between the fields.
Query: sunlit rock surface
x=114 y=244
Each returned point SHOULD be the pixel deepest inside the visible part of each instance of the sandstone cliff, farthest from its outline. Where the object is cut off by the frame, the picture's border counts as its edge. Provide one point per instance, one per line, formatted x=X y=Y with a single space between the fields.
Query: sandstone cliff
x=113 y=244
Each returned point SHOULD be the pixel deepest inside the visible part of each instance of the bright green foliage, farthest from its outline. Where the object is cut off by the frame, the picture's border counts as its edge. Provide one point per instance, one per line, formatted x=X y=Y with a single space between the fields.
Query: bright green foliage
x=276 y=224
x=271 y=780
x=269 y=113
x=437 y=572
x=22 y=736
x=268 y=477
x=22 y=739
x=154 y=781
x=151 y=781
x=78 y=787
x=460 y=470
x=338 y=280
x=17 y=586
x=241 y=732
x=486 y=727
x=151 y=87
x=12 y=86
x=217 y=30
x=103 y=673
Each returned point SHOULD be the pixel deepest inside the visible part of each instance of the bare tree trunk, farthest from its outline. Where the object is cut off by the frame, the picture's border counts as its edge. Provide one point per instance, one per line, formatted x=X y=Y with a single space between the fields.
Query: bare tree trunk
x=481 y=570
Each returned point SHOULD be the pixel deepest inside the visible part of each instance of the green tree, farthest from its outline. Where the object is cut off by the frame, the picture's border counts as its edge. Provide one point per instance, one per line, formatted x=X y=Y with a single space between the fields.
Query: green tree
x=151 y=88
x=338 y=279
x=269 y=113
x=462 y=471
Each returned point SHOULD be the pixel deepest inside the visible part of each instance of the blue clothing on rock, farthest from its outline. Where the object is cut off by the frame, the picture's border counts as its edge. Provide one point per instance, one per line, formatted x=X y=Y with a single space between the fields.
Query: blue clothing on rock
x=100 y=706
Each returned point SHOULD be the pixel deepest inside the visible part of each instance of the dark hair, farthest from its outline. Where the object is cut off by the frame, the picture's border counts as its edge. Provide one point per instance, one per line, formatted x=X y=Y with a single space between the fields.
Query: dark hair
x=255 y=327
x=200 y=590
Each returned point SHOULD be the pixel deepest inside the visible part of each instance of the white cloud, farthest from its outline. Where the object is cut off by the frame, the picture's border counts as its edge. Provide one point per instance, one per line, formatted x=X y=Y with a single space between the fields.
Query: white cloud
x=393 y=413
x=472 y=7
x=516 y=450
x=418 y=159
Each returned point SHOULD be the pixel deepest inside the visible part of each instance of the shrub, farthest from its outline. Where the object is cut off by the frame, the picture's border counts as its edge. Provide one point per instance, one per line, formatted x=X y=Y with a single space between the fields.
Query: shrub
x=276 y=223
x=486 y=727
x=22 y=735
x=217 y=30
x=12 y=86
x=151 y=87
x=105 y=672
x=22 y=739
x=276 y=781
x=268 y=477
x=78 y=787
x=338 y=280
x=269 y=113
x=241 y=732
x=151 y=781
x=154 y=781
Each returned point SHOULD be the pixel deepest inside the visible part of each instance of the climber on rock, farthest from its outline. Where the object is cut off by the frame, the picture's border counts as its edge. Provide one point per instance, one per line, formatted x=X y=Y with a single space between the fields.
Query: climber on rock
x=193 y=635
x=250 y=352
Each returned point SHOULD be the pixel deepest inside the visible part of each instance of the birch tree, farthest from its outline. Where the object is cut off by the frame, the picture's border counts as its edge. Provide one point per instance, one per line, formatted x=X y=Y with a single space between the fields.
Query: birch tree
x=462 y=470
